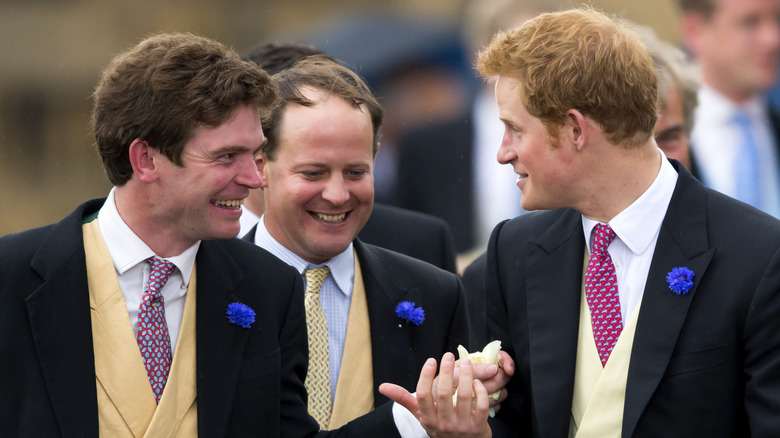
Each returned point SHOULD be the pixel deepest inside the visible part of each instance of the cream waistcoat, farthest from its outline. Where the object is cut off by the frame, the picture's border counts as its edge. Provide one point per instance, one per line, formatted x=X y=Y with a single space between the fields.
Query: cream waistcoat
x=600 y=392
x=355 y=388
x=126 y=406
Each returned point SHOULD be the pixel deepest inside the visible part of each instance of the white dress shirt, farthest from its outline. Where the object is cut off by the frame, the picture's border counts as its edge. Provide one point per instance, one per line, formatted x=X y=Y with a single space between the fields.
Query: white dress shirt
x=637 y=228
x=129 y=253
x=716 y=140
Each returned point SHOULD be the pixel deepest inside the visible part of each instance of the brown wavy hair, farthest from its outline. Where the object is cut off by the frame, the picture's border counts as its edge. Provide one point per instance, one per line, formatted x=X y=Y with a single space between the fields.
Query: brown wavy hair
x=163 y=88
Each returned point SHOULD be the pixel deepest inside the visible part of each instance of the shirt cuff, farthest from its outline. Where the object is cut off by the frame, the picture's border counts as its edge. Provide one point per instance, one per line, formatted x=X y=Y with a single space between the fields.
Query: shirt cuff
x=406 y=423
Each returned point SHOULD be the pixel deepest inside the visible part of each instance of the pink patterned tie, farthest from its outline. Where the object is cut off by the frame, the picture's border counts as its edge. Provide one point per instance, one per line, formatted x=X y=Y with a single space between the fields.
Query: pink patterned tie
x=602 y=293
x=153 y=338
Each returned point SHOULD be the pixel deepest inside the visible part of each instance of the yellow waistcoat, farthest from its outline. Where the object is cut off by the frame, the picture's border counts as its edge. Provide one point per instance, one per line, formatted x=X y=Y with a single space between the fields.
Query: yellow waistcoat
x=126 y=406
x=355 y=388
x=600 y=392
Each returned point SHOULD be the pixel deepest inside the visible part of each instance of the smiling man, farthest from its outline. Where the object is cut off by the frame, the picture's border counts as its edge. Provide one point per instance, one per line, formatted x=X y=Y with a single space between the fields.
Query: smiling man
x=638 y=303
x=134 y=316
x=317 y=179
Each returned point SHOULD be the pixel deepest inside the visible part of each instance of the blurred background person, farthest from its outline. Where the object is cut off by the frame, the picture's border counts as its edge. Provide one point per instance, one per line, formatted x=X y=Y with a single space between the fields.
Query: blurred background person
x=735 y=137
x=677 y=98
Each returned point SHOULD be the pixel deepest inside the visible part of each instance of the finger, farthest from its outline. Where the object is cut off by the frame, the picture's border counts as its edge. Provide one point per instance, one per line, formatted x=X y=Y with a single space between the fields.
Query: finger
x=401 y=396
x=444 y=388
x=465 y=384
x=485 y=371
x=425 y=400
x=482 y=406
x=506 y=363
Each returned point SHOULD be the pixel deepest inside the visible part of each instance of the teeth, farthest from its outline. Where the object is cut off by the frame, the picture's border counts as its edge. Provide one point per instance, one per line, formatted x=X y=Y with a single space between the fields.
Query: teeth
x=232 y=203
x=330 y=217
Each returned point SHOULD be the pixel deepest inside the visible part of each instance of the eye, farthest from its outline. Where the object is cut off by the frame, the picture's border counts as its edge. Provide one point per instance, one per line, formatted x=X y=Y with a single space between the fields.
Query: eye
x=356 y=174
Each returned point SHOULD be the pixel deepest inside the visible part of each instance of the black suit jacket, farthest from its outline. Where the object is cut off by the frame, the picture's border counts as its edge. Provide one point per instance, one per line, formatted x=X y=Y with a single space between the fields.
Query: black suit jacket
x=435 y=176
x=415 y=234
x=703 y=364
x=249 y=381
x=400 y=349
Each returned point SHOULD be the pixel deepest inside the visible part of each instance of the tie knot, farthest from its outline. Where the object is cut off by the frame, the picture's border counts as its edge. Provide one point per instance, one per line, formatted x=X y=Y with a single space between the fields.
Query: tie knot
x=315 y=277
x=160 y=270
x=602 y=237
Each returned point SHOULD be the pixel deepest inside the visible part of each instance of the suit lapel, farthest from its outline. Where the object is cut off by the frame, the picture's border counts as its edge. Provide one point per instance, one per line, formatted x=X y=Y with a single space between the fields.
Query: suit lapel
x=60 y=323
x=682 y=242
x=220 y=345
x=553 y=274
x=391 y=339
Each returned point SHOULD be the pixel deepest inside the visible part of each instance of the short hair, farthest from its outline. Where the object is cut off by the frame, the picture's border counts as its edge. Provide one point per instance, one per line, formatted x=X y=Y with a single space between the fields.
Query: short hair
x=579 y=59
x=163 y=88
x=321 y=73
x=275 y=57
x=674 y=70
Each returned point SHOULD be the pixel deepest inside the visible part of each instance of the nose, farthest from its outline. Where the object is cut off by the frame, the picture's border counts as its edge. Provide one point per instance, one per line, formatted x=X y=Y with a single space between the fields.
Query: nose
x=248 y=174
x=505 y=153
x=336 y=191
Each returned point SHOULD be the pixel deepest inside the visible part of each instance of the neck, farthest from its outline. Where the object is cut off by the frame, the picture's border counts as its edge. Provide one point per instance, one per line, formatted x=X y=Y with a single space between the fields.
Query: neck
x=135 y=210
x=736 y=94
x=620 y=180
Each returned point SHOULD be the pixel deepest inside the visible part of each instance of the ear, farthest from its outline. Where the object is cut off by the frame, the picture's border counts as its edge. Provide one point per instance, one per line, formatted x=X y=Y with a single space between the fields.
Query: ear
x=576 y=129
x=262 y=168
x=144 y=160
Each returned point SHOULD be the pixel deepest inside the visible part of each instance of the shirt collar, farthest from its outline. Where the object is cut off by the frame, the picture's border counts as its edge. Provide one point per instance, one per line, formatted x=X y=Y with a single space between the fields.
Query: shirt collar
x=342 y=266
x=638 y=224
x=127 y=249
x=714 y=105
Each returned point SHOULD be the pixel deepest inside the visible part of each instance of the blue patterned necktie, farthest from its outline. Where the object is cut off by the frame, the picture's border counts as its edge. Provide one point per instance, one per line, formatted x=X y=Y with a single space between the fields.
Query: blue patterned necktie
x=747 y=163
x=602 y=293
x=154 y=341
x=318 y=374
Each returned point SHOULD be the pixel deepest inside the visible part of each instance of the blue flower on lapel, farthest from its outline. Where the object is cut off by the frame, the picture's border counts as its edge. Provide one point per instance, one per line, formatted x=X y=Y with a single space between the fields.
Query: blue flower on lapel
x=407 y=311
x=240 y=314
x=680 y=280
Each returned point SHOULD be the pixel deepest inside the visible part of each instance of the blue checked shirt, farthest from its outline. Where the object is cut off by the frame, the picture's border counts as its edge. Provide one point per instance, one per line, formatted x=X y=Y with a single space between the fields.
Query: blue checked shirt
x=335 y=295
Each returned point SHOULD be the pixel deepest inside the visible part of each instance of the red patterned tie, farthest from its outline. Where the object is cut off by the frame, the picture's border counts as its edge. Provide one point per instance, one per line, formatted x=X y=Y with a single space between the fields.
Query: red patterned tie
x=602 y=293
x=153 y=338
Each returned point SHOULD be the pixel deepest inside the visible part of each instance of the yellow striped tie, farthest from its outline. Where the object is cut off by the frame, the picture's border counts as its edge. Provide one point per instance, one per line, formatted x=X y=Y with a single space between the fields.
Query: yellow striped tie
x=318 y=374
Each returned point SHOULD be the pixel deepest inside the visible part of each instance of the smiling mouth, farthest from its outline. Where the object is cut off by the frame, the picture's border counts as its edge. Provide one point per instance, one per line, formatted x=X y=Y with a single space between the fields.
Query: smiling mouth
x=229 y=203
x=330 y=218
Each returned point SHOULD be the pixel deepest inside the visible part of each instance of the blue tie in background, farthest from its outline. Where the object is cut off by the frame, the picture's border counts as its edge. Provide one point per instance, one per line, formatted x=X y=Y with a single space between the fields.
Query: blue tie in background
x=746 y=166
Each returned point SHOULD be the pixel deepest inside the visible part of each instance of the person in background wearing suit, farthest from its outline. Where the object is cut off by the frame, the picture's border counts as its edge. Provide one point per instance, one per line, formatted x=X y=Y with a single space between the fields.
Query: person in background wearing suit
x=133 y=316
x=415 y=234
x=638 y=303
x=374 y=315
x=736 y=135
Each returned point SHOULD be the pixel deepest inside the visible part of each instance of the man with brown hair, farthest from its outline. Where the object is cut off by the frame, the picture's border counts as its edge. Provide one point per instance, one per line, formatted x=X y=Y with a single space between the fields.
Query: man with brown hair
x=382 y=313
x=133 y=316
x=639 y=303
x=735 y=141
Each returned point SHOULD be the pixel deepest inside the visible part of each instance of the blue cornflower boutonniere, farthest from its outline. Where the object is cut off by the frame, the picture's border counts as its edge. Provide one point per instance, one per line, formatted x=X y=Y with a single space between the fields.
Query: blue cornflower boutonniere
x=407 y=311
x=680 y=280
x=240 y=314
